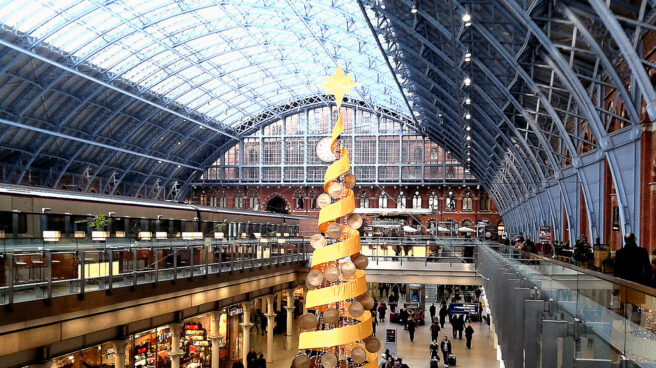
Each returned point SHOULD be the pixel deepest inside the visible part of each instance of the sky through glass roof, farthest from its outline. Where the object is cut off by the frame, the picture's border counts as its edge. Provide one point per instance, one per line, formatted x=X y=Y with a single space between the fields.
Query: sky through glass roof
x=225 y=60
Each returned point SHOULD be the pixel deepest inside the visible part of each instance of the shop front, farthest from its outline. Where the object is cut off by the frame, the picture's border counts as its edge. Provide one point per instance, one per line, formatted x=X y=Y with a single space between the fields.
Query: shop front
x=153 y=348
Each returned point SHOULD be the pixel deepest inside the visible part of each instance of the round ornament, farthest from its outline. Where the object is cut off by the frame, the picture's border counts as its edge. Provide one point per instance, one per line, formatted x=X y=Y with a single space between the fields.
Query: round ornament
x=308 y=322
x=356 y=310
x=323 y=200
x=301 y=361
x=331 y=316
x=361 y=262
x=314 y=279
x=349 y=180
x=334 y=230
x=367 y=302
x=358 y=355
x=354 y=220
x=335 y=190
x=328 y=360
x=347 y=268
x=332 y=273
x=372 y=344
x=317 y=241
x=323 y=150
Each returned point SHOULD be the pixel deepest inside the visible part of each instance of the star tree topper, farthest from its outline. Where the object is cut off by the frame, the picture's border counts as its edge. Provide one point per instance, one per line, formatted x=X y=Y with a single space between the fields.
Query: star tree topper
x=339 y=85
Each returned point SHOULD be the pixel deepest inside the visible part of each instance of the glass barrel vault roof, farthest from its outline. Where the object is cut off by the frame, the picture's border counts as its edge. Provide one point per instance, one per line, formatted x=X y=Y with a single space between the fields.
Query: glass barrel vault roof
x=225 y=60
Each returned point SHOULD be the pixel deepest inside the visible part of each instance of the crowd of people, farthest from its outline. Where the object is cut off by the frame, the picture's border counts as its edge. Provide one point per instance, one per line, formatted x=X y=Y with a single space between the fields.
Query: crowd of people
x=439 y=349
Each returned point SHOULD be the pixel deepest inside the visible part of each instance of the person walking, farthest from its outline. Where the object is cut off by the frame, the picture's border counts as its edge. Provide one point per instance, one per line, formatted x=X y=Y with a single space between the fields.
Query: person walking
x=411 y=328
x=432 y=311
x=260 y=362
x=403 y=315
x=381 y=312
x=454 y=325
x=374 y=324
x=443 y=314
x=433 y=348
x=469 y=332
x=632 y=262
x=445 y=346
x=435 y=330
x=461 y=326
x=250 y=358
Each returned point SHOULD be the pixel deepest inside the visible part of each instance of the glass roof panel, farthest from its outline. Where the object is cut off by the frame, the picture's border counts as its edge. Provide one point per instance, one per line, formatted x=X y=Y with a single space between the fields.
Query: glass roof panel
x=226 y=59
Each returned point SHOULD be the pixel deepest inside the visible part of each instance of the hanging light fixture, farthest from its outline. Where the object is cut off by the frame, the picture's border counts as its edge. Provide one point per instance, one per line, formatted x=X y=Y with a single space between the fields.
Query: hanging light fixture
x=468 y=128
x=467 y=116
x=467 y=81
x=467 y=101
x=413 y=10
x=466 y=19
x=468 y=138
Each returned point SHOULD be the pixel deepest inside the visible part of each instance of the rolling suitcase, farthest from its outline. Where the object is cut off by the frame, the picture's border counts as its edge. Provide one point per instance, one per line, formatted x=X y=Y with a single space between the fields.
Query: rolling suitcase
x=452 y=359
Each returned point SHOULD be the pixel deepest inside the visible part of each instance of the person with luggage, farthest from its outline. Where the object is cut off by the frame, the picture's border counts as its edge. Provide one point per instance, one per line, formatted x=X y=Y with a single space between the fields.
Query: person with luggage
x=435 y=330
x=445 y=347
x=381 y=311
x=469 y=331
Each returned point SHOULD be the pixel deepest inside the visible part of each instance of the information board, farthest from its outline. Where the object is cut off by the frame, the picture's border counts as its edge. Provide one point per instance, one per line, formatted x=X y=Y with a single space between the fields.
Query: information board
x=390 y=340
x=463 y=308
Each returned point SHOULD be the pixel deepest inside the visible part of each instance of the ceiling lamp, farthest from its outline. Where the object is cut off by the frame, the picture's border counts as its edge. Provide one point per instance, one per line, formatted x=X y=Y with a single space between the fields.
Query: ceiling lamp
x=467 y=81
x=466 y=19
x=467 y=101
x=467 y=116
x=467 y=56
x=414 y=8
x=468 y=138
x=468 y=128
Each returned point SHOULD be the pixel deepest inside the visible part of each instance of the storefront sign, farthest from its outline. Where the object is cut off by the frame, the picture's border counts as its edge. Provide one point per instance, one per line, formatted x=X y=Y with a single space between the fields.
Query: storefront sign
x=545 y=234
x=235 y=311
x=463 y=308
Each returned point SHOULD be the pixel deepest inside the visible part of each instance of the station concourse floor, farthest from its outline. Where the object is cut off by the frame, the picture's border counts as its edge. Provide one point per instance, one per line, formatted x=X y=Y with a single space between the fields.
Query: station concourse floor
x=415 y=354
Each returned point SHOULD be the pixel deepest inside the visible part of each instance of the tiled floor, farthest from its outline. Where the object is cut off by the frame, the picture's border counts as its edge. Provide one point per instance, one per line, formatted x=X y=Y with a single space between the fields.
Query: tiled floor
x=415 y=354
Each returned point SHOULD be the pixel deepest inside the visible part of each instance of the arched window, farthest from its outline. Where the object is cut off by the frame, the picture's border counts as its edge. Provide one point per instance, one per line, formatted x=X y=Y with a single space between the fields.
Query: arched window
x=313 y=201
x=467 y=202
x=239 y=199
x=364 y=200
x=223 y=199
x=299 y=201
x=484 y=204
x=253 y=202
x=382 y=200
x=416 y=200
x=400 y=200
x=434 y=155
x=450 y=202
x=433 y=201
x=417 y=153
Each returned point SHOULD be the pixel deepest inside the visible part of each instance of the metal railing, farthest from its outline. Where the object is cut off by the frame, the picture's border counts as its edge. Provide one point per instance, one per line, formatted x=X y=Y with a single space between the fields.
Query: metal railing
x=616 y=317
x=49 y=273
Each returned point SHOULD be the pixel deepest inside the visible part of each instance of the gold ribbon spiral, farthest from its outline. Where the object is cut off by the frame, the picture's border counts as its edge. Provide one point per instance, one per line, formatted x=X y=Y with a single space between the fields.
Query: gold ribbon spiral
x=347 y=336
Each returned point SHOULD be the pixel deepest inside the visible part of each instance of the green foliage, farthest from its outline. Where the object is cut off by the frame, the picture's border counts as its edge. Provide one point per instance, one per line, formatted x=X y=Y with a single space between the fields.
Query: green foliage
x=582 y=250
x=608 y=260
x=221 y=228
x=100 y=222
x=271 y=234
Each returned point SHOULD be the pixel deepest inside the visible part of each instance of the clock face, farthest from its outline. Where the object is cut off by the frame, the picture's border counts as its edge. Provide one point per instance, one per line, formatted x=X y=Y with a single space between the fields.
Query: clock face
x=323 y=150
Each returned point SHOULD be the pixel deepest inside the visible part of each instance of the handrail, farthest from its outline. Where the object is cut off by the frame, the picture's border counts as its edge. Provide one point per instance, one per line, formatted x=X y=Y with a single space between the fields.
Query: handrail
x=612 y=279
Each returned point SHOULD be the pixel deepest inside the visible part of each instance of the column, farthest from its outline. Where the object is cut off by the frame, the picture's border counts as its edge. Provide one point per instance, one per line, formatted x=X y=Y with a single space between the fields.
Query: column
x=270 y=315
x=176 y=329
x=119 y=352
x=215 y=336
x=305 y=291
x=290 y=318
x=278 y=301
x=246 y=331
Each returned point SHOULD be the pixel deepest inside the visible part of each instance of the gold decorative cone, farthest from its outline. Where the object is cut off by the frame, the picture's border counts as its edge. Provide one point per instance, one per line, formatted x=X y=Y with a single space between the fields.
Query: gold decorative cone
x=344 y=324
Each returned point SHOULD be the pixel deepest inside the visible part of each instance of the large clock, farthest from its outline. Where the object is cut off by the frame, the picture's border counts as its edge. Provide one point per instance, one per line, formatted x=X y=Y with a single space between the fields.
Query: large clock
x=324 y=152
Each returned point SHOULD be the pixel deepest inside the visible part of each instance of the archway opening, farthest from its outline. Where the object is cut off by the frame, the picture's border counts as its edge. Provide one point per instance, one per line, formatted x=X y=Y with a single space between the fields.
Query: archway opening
x=277 y=204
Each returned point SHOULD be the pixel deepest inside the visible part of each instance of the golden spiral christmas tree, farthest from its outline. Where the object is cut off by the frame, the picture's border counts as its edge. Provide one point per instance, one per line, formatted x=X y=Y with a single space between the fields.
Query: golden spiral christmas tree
x=337 y=332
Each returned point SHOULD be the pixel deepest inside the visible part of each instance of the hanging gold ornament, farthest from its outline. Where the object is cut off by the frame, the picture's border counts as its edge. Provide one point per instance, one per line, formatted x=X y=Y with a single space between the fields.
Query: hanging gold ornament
x=308 y=322
x=332 y=273
x=317 y=241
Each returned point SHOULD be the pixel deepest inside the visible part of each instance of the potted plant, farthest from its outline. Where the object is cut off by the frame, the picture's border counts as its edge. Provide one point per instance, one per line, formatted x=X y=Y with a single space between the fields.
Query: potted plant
x=99 y=224
x=582 y=252
x=608 y=263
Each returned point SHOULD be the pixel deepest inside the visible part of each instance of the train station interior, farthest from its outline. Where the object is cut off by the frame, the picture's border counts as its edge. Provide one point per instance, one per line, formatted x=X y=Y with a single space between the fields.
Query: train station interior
x=327 y=183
